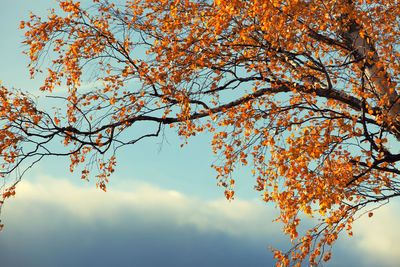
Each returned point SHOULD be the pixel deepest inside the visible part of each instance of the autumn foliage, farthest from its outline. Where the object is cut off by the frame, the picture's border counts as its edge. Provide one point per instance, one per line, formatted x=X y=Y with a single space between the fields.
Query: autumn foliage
x=303 y=92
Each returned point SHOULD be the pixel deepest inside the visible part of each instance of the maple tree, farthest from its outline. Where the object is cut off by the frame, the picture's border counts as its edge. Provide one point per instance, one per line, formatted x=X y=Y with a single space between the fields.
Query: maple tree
x=304 y=92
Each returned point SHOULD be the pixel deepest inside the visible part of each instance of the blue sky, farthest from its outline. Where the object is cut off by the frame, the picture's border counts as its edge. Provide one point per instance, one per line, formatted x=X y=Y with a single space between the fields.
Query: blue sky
x=162 y=207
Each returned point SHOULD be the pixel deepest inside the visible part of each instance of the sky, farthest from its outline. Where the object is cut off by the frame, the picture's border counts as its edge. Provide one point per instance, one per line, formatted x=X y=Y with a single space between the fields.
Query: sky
x=162 y=207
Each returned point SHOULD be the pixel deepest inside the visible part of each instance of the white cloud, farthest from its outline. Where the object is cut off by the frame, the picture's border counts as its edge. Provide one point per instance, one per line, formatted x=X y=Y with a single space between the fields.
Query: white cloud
x=88 y=86
x=50 y=202
x=250 y=219
x=379 y=236
x=83 y=88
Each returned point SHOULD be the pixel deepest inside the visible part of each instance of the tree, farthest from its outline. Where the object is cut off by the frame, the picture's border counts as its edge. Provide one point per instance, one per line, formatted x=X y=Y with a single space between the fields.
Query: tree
x=304 y=92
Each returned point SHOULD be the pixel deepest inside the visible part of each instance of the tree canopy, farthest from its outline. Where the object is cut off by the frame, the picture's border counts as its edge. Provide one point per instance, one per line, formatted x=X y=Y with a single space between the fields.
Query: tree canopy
x=304 y=92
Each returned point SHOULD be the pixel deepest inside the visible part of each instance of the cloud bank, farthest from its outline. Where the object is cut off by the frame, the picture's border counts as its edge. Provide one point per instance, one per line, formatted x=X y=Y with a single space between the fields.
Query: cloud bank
x=52 y=222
